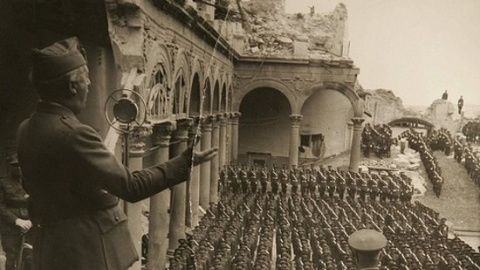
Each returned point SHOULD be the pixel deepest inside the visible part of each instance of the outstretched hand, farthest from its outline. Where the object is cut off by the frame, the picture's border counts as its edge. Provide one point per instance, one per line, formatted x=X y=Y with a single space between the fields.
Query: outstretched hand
x=204 y=156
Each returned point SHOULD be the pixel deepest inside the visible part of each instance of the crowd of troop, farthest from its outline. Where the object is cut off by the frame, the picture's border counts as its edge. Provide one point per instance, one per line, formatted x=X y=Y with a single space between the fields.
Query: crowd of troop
x=265 y=231
x=464 y=151
x=472 y=131
x=377 y=140
x=321 y=182
x=417 y=142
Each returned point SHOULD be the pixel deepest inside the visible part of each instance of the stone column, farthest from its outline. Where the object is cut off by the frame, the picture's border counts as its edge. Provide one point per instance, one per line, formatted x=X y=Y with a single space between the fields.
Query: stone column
x=294 y=138
x=178 y=206
x=194 y=179
x=223 y=141
x=134 y=210
x=214 y=162
x=205 y=168
x=228 y=144
x=159 y=218
x=356 y=142
x=235 y=118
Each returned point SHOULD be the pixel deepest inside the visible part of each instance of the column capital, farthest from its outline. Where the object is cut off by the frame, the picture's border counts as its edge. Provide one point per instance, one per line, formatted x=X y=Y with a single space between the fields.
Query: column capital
x=138 y=135
x=183 y=125
x=296 y=118
x=162 y=132
x=206 y=123
x=357 y=121
x=236 y=115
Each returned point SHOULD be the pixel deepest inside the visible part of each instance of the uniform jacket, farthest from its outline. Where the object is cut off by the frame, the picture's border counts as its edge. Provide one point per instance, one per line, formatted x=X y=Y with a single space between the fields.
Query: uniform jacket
x=13 y=204
x=74 y=182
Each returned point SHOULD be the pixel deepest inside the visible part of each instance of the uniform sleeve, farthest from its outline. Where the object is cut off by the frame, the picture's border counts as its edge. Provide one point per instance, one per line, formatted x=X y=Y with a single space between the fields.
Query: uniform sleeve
x=5 y=214
x=95 y=163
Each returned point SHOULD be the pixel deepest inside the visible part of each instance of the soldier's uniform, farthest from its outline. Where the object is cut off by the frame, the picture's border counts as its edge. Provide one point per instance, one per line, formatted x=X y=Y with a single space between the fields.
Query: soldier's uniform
x=365 y=245
x=274 y=181
x=13 y=206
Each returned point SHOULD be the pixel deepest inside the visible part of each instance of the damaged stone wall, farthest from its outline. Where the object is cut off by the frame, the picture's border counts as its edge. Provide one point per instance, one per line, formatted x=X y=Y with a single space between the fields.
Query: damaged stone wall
x=382 y=106
x=278 y=34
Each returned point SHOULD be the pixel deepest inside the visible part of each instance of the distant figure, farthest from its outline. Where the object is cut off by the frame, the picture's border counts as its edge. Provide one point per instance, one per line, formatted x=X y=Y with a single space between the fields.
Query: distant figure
x=460 y=105
x=366 y=246
x=312 y=11
x=445 y=95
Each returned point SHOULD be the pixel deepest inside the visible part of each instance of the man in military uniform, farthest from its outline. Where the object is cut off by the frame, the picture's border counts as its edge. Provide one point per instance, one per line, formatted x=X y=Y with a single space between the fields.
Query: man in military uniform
x=264 y=180
x=274 y=180
x=14 y=220
x=366 y=246
x=73 y=180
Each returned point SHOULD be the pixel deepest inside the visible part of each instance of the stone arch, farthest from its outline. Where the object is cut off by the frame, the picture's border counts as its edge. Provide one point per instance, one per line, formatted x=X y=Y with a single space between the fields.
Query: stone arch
x=206 y=96
x=264 y=83
x=349 y=93
x=181 y=82
x=158 y=80
x=156 y=54
x=216 y=98
x=412 y=121
x=195 y=98
x=223 y=98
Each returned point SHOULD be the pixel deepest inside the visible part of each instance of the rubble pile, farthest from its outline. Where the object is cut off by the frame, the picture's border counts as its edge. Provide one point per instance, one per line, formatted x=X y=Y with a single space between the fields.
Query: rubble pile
x=274 y=33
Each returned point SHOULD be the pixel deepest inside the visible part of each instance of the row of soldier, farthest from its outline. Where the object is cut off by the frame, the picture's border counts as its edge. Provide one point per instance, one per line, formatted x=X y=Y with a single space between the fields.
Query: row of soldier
x=322 y=181
x=255 y=231
x=440 y=140
x=472 y=131
x=416 y=141
x=377 y=140
x=466 y=152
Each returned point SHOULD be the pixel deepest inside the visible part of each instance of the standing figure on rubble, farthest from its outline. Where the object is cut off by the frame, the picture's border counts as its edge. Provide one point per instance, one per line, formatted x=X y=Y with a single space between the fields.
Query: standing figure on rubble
x=460 y=105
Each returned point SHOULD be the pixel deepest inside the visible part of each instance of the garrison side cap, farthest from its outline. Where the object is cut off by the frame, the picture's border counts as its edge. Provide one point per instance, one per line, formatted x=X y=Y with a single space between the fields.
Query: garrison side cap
x=57 y=59
x=367 y=240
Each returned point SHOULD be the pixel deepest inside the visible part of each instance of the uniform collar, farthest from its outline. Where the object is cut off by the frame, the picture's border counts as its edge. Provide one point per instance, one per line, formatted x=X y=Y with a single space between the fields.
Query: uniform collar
x=54 y=108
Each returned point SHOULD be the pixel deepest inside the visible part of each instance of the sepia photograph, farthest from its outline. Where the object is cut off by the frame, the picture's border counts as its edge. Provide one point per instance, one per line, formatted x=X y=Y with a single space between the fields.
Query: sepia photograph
x=239 y=134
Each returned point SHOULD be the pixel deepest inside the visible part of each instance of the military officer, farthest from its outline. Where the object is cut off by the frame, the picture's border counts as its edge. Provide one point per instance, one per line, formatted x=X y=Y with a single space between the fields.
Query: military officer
x=73 y=180
x=366 y=246
x=14 y=219
x=274 y=180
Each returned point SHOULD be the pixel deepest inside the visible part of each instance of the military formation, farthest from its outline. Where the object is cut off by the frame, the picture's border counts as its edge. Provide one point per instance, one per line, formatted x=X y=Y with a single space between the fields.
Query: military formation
x=322 y=182
x=296 y=231
x=376 y=140
x=463 y=151
x=472 y=131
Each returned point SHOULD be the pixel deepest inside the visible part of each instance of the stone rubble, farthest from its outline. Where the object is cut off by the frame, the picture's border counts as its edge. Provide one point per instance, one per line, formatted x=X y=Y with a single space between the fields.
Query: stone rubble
x=274 y=33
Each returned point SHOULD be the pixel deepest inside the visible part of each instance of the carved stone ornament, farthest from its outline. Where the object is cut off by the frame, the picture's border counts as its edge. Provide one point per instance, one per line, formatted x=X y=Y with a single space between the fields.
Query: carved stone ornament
x=297 y=83
x=138 y=136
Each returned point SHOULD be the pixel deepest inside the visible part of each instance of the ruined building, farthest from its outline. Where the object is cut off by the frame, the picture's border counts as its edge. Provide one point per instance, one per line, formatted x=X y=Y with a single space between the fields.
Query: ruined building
x=270 y=88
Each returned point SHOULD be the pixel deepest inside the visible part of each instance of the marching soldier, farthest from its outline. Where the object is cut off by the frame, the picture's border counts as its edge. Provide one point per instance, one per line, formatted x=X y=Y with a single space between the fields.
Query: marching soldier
x=234 y=183
x=244 y=180
x=341 y=186
x=253 y=180
x=274 y=180
x=352 y=186
x=284 y=180
x=303 y=182
x=312 y=182
x=373 y=187
x=293 y=180
x=363 y=187
x=264 y=180
x=332 y=183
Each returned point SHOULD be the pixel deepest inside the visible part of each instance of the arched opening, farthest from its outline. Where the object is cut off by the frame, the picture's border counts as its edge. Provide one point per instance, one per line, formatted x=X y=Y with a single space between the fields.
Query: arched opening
x=206 y=106
x=264 y=127
x=157 y=101
x=195 y=96
x=324 y=130
x=179 y=95
x=216 y=98
x=223 y=99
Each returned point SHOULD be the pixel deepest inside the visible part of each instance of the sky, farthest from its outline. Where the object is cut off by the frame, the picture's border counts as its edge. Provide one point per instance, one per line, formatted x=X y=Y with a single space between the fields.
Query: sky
x=417 y=49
